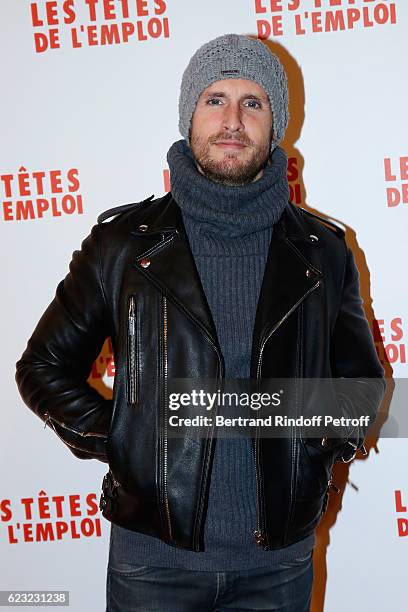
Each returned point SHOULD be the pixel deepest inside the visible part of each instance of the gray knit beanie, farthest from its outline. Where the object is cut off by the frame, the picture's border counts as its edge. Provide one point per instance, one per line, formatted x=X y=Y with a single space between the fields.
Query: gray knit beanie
x=234 y=56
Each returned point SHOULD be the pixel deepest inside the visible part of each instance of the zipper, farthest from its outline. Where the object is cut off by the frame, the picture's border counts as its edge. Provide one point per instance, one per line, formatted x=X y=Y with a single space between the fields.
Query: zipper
x=132 y=353
x=165 y=442
x=330 y=485
x=279 y=323
x=259 y=533
x=86 y=434
x=49 y=420
x=197 y=529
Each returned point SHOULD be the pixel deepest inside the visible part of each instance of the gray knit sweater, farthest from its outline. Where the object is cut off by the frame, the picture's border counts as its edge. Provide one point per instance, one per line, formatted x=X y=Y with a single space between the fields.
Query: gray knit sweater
x=229 y=230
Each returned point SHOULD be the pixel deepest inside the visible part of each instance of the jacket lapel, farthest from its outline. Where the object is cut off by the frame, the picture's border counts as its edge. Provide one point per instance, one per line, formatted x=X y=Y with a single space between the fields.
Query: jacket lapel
x=172 y=267
x=288 y=278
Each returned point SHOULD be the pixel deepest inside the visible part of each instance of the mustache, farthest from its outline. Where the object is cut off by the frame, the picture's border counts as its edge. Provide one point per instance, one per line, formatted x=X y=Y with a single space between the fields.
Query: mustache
x=228 y=136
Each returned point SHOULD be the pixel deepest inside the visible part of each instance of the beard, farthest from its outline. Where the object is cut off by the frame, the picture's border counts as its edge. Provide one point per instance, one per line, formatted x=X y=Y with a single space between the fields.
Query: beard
x=230 y=170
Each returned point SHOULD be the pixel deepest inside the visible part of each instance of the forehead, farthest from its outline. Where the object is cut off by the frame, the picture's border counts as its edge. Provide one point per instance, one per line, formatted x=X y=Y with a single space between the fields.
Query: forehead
x=236 y=87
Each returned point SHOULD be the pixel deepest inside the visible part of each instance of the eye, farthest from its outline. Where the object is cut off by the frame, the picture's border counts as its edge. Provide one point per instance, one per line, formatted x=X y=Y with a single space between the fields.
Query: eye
x=213 y=101
x=253 y=103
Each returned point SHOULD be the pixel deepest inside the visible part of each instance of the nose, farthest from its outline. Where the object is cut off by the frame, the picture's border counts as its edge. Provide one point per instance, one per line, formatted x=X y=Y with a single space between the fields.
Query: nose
x=232 y=118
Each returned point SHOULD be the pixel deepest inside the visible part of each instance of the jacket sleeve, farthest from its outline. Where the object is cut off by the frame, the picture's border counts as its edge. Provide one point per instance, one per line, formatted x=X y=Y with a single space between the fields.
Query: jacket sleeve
x=359 y=376
x=52 y=373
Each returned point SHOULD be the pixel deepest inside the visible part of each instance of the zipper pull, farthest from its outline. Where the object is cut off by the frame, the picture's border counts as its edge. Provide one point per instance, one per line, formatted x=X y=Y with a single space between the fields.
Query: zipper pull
x=333 y=486
x=102 y=503
x=116 y=483
x=330 y=485
x=259 y=537
x=132 y=317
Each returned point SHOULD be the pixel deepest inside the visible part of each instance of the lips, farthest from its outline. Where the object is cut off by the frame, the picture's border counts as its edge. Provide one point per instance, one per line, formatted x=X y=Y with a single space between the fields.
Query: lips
x=233 y=144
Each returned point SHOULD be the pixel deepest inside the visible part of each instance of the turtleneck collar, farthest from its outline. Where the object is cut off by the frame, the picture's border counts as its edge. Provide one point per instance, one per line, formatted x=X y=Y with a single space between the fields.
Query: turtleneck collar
x=224 y=211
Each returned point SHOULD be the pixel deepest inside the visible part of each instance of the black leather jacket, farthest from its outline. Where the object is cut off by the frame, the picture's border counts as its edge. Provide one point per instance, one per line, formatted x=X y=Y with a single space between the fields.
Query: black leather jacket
x=135 y=280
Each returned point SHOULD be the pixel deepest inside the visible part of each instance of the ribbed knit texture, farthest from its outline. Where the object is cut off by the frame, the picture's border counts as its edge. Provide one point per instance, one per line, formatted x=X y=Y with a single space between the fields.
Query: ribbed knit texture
x=229 y=230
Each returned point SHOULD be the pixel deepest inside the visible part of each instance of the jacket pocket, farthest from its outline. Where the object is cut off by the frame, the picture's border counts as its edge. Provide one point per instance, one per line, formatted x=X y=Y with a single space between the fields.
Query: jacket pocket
x=132 y=352
x=315 y=464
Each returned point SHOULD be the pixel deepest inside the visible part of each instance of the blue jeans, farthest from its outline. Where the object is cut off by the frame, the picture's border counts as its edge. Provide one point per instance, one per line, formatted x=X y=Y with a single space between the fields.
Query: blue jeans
x=285 y=588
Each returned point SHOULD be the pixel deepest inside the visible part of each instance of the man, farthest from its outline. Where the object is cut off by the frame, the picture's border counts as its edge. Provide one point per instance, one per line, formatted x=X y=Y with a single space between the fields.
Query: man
x=221 y=278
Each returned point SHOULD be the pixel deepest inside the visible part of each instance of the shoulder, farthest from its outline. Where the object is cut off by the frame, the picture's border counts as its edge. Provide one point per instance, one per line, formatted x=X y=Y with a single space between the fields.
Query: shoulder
x=111 y=213
x=116 y=226
x=324 y=224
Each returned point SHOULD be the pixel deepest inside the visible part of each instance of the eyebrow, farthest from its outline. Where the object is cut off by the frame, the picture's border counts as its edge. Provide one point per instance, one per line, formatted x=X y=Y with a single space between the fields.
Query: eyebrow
x=247 y=96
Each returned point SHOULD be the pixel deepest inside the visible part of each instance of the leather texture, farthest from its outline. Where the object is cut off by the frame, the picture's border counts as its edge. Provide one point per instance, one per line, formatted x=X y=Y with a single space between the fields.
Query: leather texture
x=134 y=280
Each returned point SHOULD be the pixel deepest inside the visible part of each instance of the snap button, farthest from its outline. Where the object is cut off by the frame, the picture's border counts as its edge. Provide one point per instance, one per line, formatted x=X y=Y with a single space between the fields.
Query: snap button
x=145 y=263
x=143 y=227
x=309 y=273
x=313 y=238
